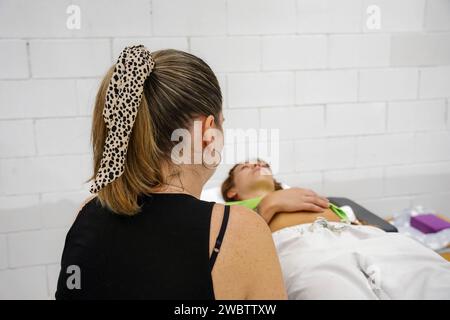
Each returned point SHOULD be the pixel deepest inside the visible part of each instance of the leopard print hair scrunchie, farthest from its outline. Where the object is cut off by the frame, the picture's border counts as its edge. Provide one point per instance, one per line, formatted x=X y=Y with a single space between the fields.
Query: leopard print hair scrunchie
x=123 y=97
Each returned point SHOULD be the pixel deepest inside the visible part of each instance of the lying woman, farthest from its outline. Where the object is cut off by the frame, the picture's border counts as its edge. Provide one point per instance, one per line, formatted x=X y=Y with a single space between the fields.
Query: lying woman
x=323 y=257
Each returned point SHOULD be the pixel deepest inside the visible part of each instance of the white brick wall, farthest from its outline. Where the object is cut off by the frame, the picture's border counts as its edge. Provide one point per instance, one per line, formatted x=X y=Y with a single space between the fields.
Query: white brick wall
x=388 y=84
x=261 y=17
x=399 y=15
x=221 y=54
x=355 y=118
x=294 y=52
x=326 y=86
x=359 y=50
x=362 y=113
x=434 y=82
x=13 y=59
x=69 y=58
x=416 y=116
x=261 y=89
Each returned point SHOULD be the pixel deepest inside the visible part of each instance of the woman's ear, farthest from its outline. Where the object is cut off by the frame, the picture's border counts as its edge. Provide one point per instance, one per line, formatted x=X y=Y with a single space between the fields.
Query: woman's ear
x=232 y=194
x=208 y=123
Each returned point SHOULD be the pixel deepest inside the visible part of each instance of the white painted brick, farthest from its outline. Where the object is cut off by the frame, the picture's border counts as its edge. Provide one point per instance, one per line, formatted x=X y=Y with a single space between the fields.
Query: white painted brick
x=241 y=118
x=221 y=55
x=113 y=18
x=415 y=179
x=59 y=210
x=320 y=154
x=86 y=93
x=432 y=146
x=3 y=253
x=22 y=18
x=47 y=18
x=52 y=278
x=354 y=183
x=23 y=284
x=286 y=160
x=295 y=122
x=37 y=98
x=13 y=59
x=358 y=118
x=365 y=50
x=329 y=16
x=326 y=86
x=196 y=17
x=69 y=58
x=416 y=116
x=435 y=82
x=44 y=174
x=386 y=207
x=385 y=149
x=36 y=247
x=16 y=138
x=63 y=136
x=420 y=49
x=308 y=180
x=397 y=16
x=261 y=89
x=439 y=203
x=437 y=15
x=448 y=114
x=294 y=52
x=152 y=44
x=261 y=16
x=19 y=213
x=388 y=84
x=222 y=78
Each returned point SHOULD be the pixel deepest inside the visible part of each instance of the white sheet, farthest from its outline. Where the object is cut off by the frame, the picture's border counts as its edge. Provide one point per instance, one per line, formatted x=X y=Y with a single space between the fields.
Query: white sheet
x=358 y=262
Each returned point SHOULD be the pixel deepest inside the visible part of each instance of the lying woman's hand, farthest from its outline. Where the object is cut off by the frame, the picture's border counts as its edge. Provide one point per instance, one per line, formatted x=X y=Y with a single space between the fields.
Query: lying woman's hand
x=291 y=200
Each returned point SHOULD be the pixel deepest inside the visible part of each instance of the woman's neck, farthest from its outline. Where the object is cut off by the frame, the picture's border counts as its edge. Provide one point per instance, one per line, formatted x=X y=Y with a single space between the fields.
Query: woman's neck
x=186 y=179
x=257 y=191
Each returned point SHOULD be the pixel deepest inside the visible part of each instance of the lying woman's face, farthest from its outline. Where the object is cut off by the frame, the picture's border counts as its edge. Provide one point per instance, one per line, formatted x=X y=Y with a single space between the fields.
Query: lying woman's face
x=248 y=176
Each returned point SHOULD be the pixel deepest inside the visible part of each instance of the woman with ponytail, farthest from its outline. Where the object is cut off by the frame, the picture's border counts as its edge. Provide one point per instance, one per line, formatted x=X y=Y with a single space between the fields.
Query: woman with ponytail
x=145 y=234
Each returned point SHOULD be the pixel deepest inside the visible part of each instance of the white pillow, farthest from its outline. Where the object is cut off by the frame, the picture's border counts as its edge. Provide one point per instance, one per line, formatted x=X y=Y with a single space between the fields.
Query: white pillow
x=214 y=194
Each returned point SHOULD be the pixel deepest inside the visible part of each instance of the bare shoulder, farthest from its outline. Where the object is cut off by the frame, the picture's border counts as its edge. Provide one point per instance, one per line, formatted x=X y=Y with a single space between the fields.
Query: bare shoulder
x=247 y=245
x=249 y=222
x=243 y=224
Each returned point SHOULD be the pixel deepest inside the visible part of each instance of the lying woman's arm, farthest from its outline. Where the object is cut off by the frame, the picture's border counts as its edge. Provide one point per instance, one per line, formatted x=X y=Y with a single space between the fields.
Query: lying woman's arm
x=291 y=200
x=288 y=219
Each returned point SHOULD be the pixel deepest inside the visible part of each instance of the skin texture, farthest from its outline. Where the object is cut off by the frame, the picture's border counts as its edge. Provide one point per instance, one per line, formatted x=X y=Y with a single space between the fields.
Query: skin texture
x=247 y=266
x=288 y=219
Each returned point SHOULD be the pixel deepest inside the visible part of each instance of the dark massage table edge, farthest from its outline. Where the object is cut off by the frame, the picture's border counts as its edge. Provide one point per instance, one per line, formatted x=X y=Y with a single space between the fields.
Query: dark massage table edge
x=363 y=215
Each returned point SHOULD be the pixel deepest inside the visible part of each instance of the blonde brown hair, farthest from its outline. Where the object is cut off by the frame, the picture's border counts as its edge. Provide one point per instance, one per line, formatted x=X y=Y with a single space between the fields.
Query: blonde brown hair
x=229 y=183
x=180 y=88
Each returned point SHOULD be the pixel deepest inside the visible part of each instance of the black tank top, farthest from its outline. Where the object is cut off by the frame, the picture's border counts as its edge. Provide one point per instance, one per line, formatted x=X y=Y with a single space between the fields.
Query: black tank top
x=160 y=253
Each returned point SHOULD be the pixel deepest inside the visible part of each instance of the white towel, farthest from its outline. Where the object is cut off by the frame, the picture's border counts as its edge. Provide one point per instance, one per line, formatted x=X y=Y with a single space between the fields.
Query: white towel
x=327 y=260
